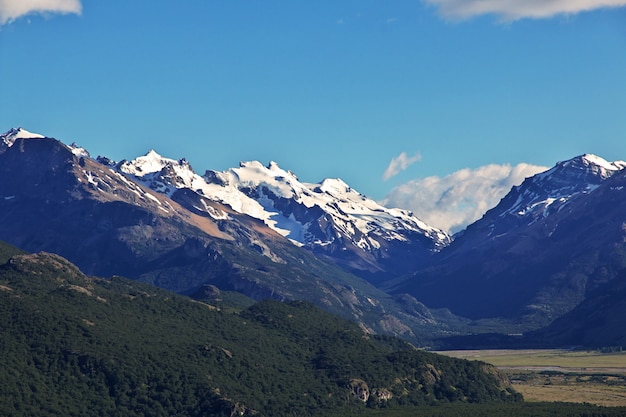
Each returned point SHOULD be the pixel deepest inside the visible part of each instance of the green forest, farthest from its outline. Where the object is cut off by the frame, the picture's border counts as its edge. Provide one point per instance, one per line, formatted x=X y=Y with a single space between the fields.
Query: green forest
x=74 y=345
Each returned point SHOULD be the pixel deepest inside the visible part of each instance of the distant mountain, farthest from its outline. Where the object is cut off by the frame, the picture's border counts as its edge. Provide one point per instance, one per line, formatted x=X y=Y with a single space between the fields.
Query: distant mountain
x=329 y=218
x=545 y=194
x=74 y=345
x=548 y=245
x=56 y=198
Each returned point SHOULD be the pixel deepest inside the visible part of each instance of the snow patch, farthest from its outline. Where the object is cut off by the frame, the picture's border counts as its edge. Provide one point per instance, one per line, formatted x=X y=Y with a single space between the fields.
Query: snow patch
x=91 y=179
x=153 y=198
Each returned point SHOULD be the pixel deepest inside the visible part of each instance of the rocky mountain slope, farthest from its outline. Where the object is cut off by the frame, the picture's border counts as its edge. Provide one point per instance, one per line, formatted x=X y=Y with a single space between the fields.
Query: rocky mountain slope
x=549 y=244
x=56 y=198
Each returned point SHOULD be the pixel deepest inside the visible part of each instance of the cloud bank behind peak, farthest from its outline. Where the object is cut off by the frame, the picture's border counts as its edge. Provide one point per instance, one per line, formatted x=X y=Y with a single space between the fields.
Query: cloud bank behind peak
x=457 y=200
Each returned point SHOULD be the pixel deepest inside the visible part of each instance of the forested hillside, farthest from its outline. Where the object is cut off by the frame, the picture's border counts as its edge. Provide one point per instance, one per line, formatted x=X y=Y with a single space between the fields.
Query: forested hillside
x=74 y=345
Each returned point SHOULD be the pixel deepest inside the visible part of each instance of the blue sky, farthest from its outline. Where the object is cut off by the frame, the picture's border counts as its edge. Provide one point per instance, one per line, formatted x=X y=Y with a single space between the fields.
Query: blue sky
x=379 y=93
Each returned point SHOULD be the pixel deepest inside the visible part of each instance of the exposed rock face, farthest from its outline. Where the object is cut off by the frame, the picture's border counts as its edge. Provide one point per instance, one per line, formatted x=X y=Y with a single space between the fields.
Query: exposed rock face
x=359 y=389
x=240 y=410
x=431 y=374
x=382 y=394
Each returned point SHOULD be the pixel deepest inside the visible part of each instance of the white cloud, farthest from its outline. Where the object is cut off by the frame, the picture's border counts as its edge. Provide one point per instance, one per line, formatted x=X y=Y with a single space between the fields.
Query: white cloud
x=510 y=10
x=400 y=163
x=456 y=200
x=13 y=9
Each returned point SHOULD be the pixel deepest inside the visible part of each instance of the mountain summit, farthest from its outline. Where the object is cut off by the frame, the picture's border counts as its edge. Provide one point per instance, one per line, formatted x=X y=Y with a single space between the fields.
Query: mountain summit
x=331 y=219
x=549 y=191
x=162 y=174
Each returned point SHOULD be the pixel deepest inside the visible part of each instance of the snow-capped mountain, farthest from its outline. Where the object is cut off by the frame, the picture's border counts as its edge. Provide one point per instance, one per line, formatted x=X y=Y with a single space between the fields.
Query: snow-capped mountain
x=7 y=140
x=552 y=190
x=539 y=252
x=541 y=196
x=329 y=217
x=56 y=198
x=351 y=213
x=161 y=174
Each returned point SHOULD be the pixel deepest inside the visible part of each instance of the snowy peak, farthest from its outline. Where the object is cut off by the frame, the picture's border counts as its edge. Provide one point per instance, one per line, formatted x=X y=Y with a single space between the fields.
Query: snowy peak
x=584 y=168
x=161 y=174
x=550 y=191
x=9 y=138
x=254 y=174
x=597 y=162
x=335 y=187
x=20 y=133
x=78 y=151
x=326 y=216
x=253 y=189
x=548 y=244
x=148 y=164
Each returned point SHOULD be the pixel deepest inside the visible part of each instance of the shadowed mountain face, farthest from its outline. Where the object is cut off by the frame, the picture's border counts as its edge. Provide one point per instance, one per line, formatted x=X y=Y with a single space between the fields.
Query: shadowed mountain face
x=599 y=321
x=545 y=248
x=55 y=198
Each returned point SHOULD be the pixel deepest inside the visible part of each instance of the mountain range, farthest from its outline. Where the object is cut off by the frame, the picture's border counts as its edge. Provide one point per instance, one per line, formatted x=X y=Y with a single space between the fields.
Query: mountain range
x=552 y=246
x=56 y=198
x=329 y=218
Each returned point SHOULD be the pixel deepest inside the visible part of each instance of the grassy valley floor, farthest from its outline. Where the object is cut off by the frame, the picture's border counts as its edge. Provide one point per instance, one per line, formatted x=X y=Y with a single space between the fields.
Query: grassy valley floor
x=560 y=375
